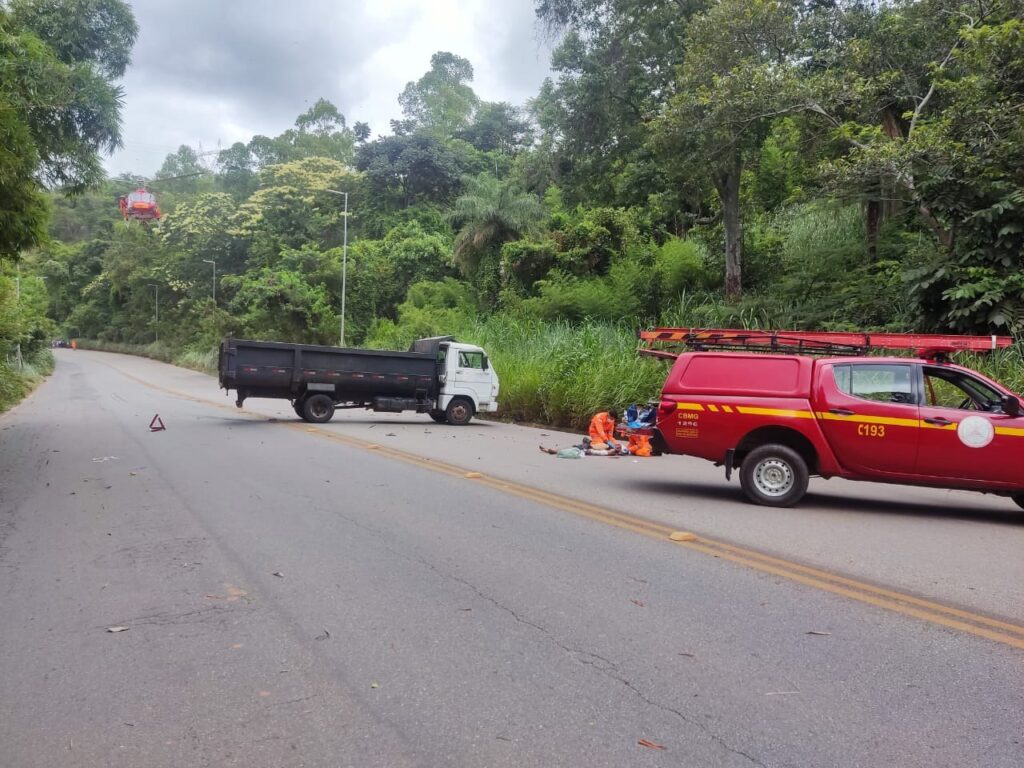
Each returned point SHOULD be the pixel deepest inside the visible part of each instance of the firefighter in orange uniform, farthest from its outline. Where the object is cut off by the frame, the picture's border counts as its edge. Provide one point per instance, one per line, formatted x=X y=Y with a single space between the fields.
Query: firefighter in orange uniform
x=602 y=430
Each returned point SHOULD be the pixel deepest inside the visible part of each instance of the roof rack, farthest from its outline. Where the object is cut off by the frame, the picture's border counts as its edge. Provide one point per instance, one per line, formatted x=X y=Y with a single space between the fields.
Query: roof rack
x=669 y=343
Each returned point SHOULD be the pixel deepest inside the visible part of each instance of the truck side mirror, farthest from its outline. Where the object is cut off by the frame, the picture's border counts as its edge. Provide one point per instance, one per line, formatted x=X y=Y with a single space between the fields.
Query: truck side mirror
x=486 y=364
x=1010 y=405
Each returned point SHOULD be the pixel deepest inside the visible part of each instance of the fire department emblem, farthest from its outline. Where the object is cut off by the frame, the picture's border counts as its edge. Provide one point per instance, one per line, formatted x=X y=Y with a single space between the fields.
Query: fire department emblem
x=975 y=432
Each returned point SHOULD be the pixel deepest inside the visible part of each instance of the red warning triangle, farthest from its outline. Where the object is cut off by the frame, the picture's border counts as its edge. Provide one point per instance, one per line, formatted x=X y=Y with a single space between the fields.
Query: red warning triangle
x=157 y=424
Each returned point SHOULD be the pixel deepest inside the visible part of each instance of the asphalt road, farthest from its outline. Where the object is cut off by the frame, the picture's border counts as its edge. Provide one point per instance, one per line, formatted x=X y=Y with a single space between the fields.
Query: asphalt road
x=326 y=598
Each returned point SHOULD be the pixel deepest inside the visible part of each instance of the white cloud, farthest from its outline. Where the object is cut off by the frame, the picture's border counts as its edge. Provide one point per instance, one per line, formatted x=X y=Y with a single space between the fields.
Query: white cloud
x=214 y=72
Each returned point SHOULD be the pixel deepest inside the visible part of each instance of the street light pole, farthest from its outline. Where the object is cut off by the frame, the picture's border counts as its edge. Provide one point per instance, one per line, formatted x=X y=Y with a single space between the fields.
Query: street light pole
x=156 y=310
x=214 y=262
x=17 y=301
x=344 y=263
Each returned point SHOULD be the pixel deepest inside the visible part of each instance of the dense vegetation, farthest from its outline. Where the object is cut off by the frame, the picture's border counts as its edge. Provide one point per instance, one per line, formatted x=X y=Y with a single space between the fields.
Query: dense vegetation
x=823 y=164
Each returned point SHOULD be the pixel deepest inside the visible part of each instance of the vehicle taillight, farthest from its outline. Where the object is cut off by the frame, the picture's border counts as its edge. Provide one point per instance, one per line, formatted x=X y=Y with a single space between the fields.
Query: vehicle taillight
x=666 y=407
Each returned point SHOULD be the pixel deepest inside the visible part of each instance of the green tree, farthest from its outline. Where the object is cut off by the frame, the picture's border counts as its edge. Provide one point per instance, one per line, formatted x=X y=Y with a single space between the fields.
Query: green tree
x=182 y=171
x=59 y=108
x=489 y=214
x=615 y=68
x=407 y=169
x=441 y=102
x=498 y=127
x=737 y=66
x=58 y=71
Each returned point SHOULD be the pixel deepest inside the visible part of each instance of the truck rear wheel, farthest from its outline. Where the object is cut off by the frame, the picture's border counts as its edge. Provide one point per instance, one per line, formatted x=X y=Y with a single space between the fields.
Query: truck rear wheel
x=318 y=409
x=297 y=407
x=774 y=475
x=1019 y=498
x=459 y=412
x=438 y=416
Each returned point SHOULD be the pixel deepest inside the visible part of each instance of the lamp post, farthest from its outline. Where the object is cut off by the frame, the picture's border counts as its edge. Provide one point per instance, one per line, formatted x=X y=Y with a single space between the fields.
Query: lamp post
x=156 y=310
x=17 y=301
x=213 y=261
x=344 y=263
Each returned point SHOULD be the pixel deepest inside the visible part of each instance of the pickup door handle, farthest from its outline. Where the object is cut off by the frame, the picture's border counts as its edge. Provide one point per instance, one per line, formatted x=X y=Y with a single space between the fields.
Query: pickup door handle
x=840 y=412
x=938 y=421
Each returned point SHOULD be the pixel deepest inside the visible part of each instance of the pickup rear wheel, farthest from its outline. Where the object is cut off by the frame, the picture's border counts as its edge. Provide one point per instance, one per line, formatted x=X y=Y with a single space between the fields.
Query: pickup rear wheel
x=1019 y=498
x=318 y=408
x=459 y=412
x=774 y=475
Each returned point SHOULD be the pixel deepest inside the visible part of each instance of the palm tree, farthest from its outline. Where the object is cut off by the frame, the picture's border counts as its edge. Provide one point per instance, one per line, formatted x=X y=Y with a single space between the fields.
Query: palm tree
x=490 y=213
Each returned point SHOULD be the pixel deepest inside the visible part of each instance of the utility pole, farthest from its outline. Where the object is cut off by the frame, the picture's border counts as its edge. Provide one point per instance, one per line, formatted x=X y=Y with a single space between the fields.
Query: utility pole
x=344 y=263
x=214 y=262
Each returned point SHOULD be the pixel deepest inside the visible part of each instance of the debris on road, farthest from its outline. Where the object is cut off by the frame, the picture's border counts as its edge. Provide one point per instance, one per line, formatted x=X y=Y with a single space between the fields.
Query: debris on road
x=639 y=603
x=117 y=629
x=818 y=632
x=682 y=536
x=326 y=635
x=375 y=685
x=650 y=744
x=278 y=574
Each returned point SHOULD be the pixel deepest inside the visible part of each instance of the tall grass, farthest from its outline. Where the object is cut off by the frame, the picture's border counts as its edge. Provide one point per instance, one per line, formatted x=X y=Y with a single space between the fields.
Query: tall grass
x=16 y=383
x=560 y=373
x=1005 y=365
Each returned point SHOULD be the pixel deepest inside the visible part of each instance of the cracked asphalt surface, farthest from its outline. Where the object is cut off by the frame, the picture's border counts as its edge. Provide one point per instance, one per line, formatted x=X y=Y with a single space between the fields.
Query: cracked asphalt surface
x=292 y=601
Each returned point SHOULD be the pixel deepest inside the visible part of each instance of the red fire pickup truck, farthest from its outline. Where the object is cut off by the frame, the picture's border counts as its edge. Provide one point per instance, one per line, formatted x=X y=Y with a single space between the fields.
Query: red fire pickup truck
x=780 y=418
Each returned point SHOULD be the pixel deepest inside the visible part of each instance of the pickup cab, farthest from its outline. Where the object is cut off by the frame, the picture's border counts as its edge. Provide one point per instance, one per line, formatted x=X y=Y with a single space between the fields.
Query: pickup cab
x=779 y=419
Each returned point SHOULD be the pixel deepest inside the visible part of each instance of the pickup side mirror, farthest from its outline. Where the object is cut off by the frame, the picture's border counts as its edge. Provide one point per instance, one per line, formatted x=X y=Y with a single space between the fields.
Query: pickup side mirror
x=1010 y=405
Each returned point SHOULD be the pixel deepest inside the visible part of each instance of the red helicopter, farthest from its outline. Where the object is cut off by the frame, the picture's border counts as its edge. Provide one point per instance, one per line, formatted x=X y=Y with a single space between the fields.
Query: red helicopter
x=139 y=205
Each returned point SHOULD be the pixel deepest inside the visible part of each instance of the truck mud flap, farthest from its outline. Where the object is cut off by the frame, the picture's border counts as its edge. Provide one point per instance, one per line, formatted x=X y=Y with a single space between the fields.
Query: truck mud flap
x=730 y=457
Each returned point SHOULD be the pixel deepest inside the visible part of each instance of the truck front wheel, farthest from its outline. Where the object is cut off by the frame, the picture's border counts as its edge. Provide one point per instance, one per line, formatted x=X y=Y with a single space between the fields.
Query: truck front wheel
x=1019 y=498
x=774 y=475
x=318 y=409
x=459 y=412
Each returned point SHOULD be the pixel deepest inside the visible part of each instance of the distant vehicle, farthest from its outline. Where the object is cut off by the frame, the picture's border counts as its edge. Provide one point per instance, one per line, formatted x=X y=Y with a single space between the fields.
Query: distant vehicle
x=779 y=418
x=59 y=343
x=139 y=205
x=449 y=381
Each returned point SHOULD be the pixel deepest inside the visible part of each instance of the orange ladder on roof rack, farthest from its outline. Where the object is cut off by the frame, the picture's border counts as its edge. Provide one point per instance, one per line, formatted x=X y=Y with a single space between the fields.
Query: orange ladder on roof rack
x=669 y=343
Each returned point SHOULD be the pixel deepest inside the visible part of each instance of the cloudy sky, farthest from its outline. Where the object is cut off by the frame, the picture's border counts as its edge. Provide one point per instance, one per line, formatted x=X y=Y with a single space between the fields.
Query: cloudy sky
x=213 y=72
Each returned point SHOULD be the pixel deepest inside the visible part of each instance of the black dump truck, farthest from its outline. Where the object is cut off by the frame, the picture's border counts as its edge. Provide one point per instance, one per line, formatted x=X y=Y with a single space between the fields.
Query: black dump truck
x=438 y=376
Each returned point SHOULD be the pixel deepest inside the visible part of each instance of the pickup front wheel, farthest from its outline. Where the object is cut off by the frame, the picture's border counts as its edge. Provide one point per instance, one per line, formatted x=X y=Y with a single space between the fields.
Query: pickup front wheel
x=318 y=409
x=774 y=476
x=459 y=411
x=1019 y=498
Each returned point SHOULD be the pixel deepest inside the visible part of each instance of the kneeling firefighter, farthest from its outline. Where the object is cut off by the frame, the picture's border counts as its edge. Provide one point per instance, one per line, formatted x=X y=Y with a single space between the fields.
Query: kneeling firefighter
x=602 y=429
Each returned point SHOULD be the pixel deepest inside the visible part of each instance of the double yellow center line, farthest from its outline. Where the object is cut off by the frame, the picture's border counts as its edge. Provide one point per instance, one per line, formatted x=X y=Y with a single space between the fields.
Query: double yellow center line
x=958 y=619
